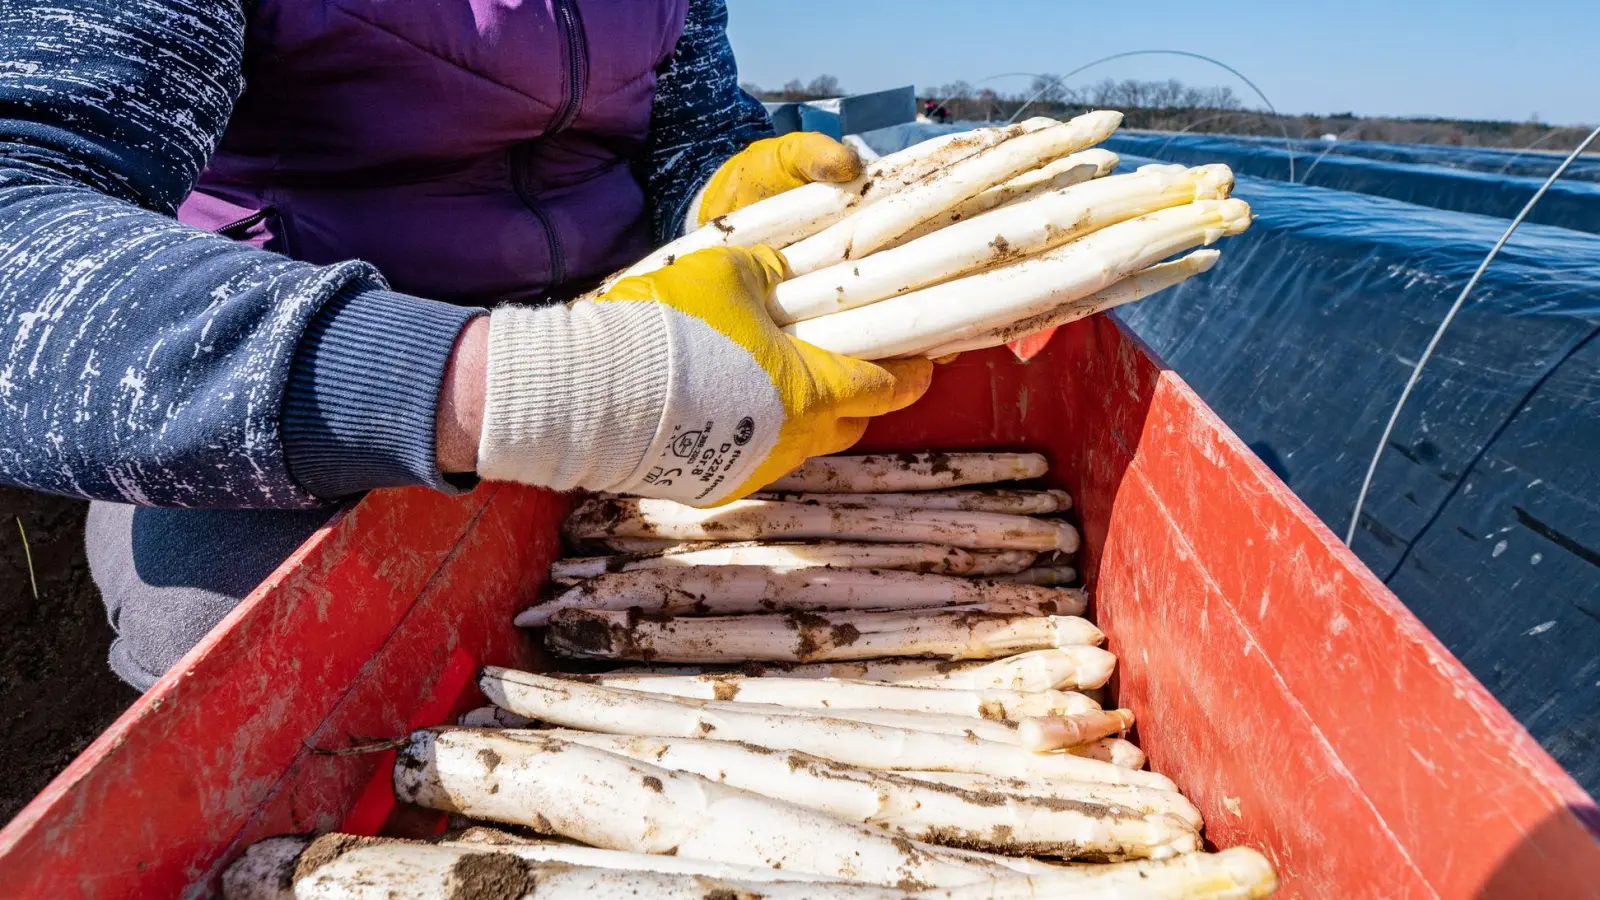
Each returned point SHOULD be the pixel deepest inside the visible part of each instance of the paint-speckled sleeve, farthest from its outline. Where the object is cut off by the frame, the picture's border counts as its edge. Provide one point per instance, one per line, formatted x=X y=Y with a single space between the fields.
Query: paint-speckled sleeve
x=700 y=118
x=142 y=360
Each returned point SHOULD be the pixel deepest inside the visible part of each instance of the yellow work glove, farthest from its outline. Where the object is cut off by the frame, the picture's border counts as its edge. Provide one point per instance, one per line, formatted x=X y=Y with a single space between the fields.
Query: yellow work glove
x=772 y=166
x=674 y=384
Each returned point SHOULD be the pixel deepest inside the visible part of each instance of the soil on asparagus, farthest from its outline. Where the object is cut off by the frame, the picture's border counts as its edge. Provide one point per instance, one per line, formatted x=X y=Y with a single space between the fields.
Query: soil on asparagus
x=56 y=693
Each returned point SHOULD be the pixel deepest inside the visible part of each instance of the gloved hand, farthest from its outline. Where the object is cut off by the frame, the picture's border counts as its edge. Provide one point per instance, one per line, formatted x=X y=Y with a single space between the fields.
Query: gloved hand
x=774 y=165
x=674 y=384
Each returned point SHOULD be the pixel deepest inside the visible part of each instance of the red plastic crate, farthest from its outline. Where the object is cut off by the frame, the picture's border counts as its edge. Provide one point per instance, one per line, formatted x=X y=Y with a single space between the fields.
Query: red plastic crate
x=1280 y=684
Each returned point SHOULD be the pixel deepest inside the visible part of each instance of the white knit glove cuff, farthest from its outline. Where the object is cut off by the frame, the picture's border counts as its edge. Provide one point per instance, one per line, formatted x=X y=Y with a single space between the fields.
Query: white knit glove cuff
x=575 y=396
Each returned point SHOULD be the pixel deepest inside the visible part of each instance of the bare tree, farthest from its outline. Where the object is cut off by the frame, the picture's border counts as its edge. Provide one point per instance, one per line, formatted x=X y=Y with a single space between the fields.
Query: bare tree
x=1221 y=98
x=1165 y=94
x=1104 y=92
x=1133 y=93
x=956 y=90
x=988 y=103
x=824 y=86
x=1048 y=89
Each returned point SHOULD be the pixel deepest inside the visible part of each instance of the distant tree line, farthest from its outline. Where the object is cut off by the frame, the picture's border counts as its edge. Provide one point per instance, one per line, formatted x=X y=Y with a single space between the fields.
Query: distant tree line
x=1171 y=105
x=821 y=87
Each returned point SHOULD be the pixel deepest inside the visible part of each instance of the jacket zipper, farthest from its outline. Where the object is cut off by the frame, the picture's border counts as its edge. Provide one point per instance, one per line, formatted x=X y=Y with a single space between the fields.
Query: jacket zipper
x=568 y=20
x=571 y=25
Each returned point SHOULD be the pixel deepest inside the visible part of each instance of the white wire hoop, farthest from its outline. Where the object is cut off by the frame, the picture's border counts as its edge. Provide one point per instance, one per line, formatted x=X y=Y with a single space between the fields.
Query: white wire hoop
x=1416 y=371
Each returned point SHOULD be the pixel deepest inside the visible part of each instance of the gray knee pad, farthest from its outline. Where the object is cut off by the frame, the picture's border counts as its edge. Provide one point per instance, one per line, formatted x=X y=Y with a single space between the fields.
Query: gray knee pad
x=168 y=575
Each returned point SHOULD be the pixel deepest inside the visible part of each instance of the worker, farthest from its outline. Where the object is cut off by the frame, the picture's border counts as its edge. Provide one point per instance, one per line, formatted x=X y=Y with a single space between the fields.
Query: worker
x=258 y=257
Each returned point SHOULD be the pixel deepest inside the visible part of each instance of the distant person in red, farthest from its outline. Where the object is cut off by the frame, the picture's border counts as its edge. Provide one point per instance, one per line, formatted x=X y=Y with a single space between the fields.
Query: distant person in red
x=935 y=111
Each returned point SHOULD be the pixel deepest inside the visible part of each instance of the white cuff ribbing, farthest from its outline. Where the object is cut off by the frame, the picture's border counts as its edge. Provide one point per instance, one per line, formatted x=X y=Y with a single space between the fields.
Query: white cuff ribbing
x=575 y=395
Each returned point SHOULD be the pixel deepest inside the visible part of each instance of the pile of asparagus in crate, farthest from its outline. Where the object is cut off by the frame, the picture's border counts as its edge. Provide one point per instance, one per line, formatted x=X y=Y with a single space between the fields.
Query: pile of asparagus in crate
x=869 y=683
x=875 y=679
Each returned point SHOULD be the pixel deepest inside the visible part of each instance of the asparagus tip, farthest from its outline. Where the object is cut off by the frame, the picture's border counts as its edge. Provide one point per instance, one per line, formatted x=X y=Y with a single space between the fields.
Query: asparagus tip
x=1250 y=870
x=1212 y=182
x=1202 y=260
x=1067 y=539
x=1236 y=216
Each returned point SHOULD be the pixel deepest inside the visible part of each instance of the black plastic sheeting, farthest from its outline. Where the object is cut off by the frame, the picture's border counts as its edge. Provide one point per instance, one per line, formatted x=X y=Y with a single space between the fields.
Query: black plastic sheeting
x=1535 y=163
x=1485 y=514
x=1484 y=517
x=1569 y=203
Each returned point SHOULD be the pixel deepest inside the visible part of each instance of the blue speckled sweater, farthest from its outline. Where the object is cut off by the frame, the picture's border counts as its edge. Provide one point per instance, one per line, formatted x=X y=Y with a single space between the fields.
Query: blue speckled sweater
x=147 y=361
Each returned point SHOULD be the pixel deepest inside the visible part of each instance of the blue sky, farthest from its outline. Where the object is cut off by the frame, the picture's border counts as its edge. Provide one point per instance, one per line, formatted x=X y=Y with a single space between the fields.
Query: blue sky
x=1468 y=59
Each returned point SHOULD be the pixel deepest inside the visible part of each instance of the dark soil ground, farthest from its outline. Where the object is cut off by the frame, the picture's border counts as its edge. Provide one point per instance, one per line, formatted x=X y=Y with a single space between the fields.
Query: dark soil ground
x=56 y=693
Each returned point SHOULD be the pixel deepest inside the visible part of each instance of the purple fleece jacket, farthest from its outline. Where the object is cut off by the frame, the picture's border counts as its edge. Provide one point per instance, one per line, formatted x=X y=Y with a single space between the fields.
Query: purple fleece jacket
x=359 y=156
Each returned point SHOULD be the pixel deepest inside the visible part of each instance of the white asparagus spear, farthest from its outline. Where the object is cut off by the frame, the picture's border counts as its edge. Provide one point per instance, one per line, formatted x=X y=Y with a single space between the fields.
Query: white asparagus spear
x=966 y=727
x=934 y=558
x=1057 y=174
x=1044 y=576
x=1238 y=873
x=832 y=693
x=1117 y=751
x=640 y=545
x=340 y=867
x=1143 y=799
x=345 y=867
x=1061 y=668
x=274 y=852
x=989 y=563
x=920 y=810
x=874 y=227
x=983 y=562
x=969 y=727
x=880 y=472
x=810 y=637
x=1135 y=287
x=611 y=801
x=593 y=708
x=1002 y=236
x=924 y=320
x=595 y=857
x=992 y=500
x=265 y=870
x=1045 y=733
x=1064 y=172
x=767 y=520
x=914 y=720
x=685 y=606
x=1113 y=750
x=727 y=590
x=793 y=215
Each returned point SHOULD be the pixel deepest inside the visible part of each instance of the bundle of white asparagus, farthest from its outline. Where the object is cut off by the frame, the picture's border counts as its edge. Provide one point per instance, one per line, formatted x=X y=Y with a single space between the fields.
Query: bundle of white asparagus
x=976 y=240
x=875 y=679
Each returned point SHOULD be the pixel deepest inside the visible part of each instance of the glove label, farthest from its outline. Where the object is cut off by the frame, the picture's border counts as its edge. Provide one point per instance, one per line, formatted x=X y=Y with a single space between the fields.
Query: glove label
x=700 y=459
x=721 y=419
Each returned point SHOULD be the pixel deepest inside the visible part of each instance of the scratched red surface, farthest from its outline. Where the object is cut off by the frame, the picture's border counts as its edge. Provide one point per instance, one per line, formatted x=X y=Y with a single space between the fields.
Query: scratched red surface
x=1304 y=710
